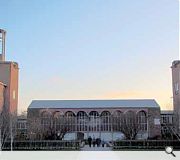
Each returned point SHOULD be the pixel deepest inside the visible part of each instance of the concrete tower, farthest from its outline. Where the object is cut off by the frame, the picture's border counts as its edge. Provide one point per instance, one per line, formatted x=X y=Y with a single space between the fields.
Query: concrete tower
x=2 y=44
x=176 y=92
x=8 y=79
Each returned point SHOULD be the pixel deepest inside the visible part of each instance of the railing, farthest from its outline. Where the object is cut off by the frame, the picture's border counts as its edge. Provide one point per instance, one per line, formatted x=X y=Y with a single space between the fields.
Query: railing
x=76 y=145
x=145 y=144
x=43 y=145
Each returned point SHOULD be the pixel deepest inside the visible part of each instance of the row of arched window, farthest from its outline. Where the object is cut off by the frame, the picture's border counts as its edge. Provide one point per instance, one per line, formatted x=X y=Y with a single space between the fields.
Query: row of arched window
x=94 y=121
x=71 y=113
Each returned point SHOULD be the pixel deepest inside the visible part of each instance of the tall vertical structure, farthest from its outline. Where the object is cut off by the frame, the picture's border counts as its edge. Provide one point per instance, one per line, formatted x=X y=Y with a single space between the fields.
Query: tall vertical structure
x=8 y=79
x=176 y=92
x=2 y=44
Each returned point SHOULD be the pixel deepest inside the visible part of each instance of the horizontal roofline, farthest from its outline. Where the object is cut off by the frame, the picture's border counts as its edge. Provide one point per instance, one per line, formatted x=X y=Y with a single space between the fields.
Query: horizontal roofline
x=95 y=103
x=167 y=112
x=112 y=99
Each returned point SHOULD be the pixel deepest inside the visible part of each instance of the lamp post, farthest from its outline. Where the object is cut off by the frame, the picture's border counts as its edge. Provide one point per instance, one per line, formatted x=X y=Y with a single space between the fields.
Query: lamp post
x=148 y=126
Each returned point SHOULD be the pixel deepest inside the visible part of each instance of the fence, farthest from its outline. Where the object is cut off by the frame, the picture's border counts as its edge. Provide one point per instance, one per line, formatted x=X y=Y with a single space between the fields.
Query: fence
x=145 y=144
x=43 y=145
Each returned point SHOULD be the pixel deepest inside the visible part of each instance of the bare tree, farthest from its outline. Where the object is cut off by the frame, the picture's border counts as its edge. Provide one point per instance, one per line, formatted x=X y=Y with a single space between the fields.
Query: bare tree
x=59 y=127
x=4 y=128
x=21 y=131
x=34 y=128
x=7 y=128
x=130 y=125
x=48 y=128
x=168 y=127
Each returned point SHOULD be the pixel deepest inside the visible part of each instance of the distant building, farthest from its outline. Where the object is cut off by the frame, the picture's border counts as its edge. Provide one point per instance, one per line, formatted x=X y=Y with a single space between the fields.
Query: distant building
x=96 y=118
x=167 y=124
x=176 y=92
x=8 y=80
x=9 y=77
x=2 y=95
x=167 y=117
x=21 y=127
x=8 y=92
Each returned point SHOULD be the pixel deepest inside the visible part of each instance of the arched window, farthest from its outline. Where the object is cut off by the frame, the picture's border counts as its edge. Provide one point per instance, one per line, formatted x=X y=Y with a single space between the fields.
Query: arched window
x=142 y=120
x=130 y=127
x=58 y=121
x=117 y=120
x=105 y=121
x=94 y=122
x=70 y=121
x=45 y=120
x=82 y=120
x=129 y=119
x=69 y=114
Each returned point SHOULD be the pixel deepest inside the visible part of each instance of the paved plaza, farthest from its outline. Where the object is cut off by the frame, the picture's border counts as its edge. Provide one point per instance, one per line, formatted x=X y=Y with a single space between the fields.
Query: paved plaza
x=87 y=148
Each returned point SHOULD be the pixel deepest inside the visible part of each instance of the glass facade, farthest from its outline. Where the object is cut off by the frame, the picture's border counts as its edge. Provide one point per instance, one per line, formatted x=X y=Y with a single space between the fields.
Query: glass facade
x=93 y=121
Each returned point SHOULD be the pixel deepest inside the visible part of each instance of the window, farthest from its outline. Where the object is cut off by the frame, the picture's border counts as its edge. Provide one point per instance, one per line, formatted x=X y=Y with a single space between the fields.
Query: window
x=105 y=121
x=176 y=85
x=94 y=121
x=142 y=120
x=14 y=94
x=117 y=120
x=45 y=120
x=70 y=120
x=59 y=121
x=82 y=120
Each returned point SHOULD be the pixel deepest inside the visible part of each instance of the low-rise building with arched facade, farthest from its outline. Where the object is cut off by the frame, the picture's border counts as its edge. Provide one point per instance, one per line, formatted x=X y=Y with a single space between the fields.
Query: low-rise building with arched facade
x=105 y=119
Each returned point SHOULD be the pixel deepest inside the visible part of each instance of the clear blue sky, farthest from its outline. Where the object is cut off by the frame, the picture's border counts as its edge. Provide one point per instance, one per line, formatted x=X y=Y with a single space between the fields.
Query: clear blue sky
x=92 y=49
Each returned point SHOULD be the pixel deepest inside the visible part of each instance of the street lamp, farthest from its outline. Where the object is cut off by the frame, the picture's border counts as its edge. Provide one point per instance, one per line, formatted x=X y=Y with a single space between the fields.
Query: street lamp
x=148 y=116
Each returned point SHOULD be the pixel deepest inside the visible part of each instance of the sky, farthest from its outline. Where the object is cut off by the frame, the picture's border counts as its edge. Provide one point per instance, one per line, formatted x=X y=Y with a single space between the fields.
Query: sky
x=92 y=49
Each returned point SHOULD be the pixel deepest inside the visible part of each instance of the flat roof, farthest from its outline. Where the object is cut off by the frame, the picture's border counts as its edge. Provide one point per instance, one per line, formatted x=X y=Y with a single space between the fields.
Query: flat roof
x=115 y=103
x=167 y=112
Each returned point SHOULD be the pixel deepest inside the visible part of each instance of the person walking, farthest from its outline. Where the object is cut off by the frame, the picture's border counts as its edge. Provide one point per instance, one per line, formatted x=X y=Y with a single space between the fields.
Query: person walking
x=103 y=143
x=89 y=141
x=94 y=141
x=97 y=141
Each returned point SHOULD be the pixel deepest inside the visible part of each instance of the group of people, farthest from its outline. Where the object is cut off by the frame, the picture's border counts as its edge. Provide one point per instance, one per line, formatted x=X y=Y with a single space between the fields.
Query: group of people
x=95 y=141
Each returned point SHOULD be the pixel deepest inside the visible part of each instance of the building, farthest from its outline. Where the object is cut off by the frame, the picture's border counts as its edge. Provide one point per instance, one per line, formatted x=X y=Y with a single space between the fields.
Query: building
x=103 y=119
x=167 y=117
x=21 y=127
x=167 y=124
x=2 y=94
x=176 y=93
x=9 y=77
x=8 y=93
x=8 y=80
